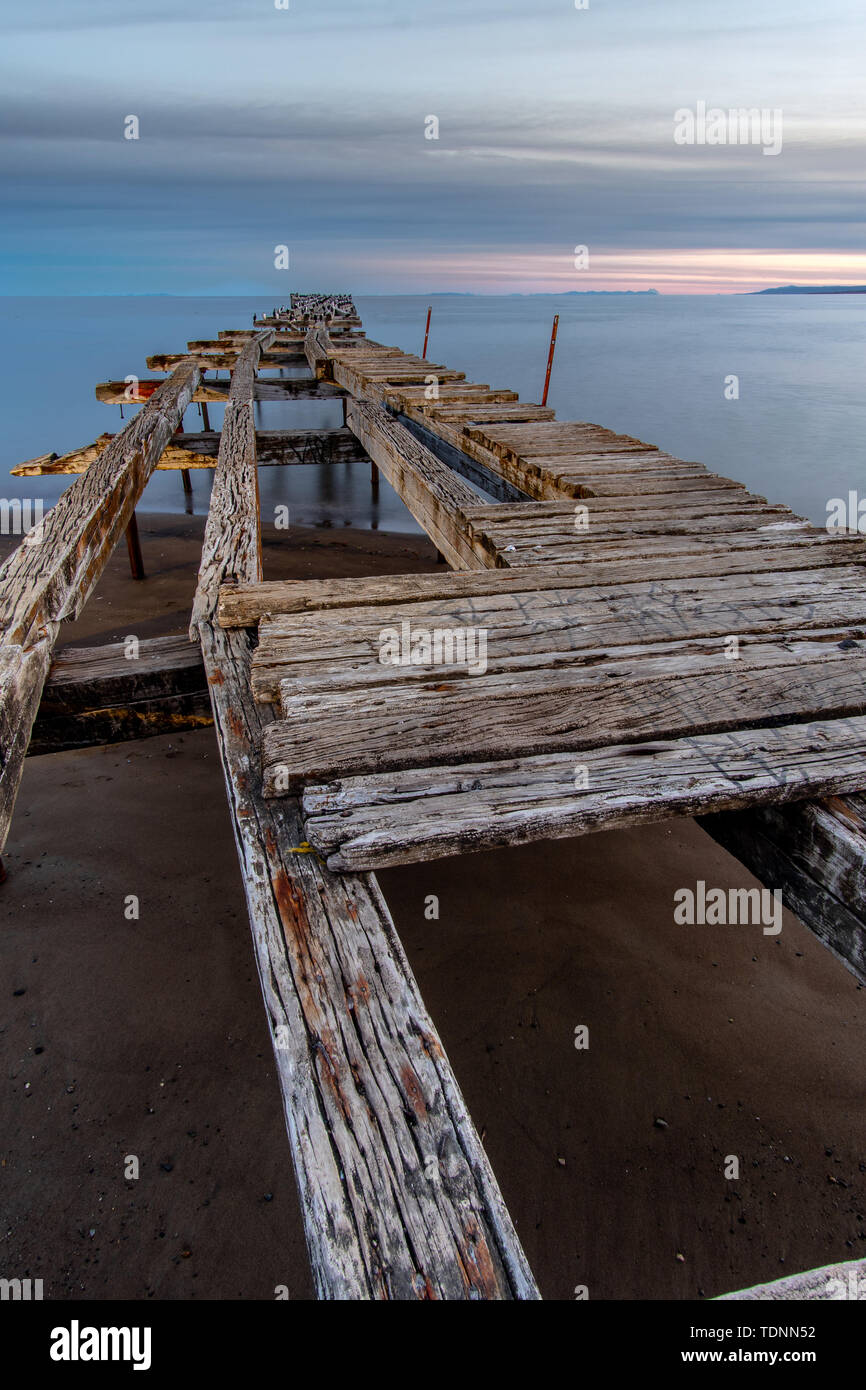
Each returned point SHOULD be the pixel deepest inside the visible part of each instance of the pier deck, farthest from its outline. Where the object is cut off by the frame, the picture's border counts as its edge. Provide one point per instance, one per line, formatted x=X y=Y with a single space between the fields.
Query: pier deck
x=624 y=636
x=651 y=639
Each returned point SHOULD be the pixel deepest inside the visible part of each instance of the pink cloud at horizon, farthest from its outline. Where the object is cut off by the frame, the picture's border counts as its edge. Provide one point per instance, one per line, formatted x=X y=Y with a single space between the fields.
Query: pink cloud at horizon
x=671 y=271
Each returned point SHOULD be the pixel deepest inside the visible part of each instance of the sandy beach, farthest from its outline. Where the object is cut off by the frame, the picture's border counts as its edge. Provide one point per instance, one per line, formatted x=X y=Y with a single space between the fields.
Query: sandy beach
x=148 y=1038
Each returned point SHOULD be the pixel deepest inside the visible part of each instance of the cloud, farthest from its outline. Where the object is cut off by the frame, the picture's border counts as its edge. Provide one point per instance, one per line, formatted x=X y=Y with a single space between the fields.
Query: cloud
x=307 y=126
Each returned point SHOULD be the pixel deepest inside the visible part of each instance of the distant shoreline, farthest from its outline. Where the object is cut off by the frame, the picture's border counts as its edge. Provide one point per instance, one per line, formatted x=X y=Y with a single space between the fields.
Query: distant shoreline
x=812 y=289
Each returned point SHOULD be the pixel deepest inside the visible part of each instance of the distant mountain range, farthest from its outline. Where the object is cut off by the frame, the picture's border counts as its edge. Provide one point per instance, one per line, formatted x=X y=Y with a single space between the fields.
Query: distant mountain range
x=813 y=289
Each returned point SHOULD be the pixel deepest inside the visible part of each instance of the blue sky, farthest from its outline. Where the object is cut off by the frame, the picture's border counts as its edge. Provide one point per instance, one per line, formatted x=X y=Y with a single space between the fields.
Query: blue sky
x=305 y=127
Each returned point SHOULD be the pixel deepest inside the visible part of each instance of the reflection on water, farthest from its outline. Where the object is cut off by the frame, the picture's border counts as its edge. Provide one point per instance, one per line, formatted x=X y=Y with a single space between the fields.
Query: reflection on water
x=316 y=494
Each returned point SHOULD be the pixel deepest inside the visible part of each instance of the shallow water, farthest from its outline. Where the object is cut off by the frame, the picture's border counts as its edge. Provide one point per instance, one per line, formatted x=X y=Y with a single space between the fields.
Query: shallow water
x=650 y=366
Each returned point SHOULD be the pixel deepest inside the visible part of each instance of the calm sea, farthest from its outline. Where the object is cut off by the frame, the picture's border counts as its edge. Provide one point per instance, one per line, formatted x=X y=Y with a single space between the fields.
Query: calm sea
x=655 y=367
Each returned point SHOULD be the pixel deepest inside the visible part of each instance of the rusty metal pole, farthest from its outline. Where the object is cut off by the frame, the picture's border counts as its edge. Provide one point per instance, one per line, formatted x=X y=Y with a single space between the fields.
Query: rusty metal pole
x=133 y=544
x=427 y=331
x=550 y=358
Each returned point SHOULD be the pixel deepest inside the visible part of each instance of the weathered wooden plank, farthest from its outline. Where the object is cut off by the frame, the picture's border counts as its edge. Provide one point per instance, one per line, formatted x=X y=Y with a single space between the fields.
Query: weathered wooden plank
x=498 y=716
x=84 y=678
x=553 y=628
x=575 y=518
x=431 y=491
x=571 y=437
x=365 y=383
x=470 y=413
x=22 y=675
x=267 y=389
x=50 y=580
x=450 y=391
x=243 y=605
x=121 y=691
x=424 y=813
x=397 y=1196
x=79 y=460
x=199 y=450
x=207 y=361
x=317 y=351
x=49 y=577
x=624 y=539
x=232 y=540
x=281 y=672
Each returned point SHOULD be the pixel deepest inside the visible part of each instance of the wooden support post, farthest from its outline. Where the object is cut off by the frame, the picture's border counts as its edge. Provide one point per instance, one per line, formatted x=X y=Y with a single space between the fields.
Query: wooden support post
x=427 y=331
x=133 y=545
x=184 y=474
x=205 y=418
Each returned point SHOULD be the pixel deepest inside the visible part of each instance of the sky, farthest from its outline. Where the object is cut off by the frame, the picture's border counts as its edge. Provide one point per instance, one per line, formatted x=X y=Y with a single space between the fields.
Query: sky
x=307 y=127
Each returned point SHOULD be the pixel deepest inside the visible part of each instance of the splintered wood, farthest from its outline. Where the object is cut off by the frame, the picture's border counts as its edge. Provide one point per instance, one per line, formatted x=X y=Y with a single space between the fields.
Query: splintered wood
x=645 y=638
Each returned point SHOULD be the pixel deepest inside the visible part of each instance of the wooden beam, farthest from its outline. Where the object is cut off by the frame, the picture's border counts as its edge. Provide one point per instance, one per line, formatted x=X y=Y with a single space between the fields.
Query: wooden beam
x=424 y=813
x=200 y=450
x=317 y=351
x=396 y=1193
x=357 y=730
x=79 y=460
x=432 y=492
x=243 y=605
x=816 y=853
x=215 y=392
x=49 y=577
x=232 y=546
x=167 y=361
x=98 y=695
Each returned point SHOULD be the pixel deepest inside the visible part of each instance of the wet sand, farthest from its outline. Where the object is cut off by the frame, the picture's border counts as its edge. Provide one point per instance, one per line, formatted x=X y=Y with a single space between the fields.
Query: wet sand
x=148 y=1037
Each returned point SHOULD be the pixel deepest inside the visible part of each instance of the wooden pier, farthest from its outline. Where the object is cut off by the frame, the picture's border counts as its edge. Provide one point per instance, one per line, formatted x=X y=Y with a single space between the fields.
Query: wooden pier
x=623 y=636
